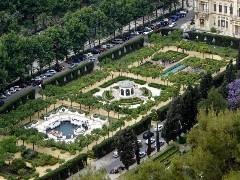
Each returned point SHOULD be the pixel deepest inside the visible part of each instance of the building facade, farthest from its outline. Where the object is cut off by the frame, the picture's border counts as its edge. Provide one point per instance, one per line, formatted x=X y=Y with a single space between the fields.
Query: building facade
x=222 y=15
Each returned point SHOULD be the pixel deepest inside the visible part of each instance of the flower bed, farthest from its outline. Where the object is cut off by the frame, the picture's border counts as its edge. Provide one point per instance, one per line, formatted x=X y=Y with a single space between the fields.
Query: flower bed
x=130 y=101
x=169 y=56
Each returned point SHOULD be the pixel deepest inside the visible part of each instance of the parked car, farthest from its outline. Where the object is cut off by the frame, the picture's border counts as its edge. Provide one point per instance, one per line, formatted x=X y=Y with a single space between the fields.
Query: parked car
x=51 y=71
x=142 y=154
x=95 y=51
x=121 y=168
x=2 y=96
x=147 y=30
x=1 y=102
x=173 y=24
x=152 y=140
x=139 y=141
x=7 y=93
x=12 y=90
x=174 y=18
x=17 y=88
x=146 y=134
x=181 y=14
x=73 y=65
x=114 y=171
x=115 y=154
x=161 y=143
x=117 y=41
x=160 y=126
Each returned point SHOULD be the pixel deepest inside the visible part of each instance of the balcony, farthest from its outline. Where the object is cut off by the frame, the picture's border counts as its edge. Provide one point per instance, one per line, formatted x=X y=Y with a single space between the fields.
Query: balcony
x=201 y=10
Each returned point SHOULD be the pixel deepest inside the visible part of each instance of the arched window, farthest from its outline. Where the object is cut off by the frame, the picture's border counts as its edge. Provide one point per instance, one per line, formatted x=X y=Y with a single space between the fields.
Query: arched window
x=122 y=92
x=132 y=91
x=127 y=92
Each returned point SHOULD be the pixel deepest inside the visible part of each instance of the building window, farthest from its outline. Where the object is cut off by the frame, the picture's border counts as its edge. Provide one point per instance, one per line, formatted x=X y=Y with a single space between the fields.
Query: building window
x=219 y=23
x=220 y=8
x=226 y=24
x=222 y=23
x=214 y=7
x=238 y=12
x=225 y=9
x=231 y=9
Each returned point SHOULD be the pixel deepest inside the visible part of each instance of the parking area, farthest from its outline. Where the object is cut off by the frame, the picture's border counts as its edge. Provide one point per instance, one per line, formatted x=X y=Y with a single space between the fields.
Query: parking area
x=112 y=163
x=175 y=21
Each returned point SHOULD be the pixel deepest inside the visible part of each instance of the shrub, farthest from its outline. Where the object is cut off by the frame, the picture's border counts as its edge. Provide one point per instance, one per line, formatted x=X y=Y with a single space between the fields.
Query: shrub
x=17 y=164
x=169 y=56
x=158 y=86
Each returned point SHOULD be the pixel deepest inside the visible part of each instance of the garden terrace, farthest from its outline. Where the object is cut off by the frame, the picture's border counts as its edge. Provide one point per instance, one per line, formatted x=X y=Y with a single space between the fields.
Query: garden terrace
x=125 y=61
x=208 y=65
x=184 y=78
x=175 y=39
x=169 y=56
x=75 y=86
x=147 y=69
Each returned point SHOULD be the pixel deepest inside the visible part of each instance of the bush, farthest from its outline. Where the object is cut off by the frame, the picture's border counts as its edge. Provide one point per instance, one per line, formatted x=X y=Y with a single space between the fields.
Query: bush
x=70 y=167
x=169 y=56
x=17 y=164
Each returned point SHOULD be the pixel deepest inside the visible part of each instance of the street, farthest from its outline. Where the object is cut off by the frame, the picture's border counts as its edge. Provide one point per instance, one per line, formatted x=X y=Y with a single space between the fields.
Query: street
x=108 y=162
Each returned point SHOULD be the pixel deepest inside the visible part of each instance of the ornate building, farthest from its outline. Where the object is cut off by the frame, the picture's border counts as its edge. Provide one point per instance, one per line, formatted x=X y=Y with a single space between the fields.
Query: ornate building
x=222 y=15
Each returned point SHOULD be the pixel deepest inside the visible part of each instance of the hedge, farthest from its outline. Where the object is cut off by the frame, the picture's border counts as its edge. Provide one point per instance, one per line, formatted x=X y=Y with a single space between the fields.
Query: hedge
x=67 y=169
x=158 y=86
x=119 y=51
x=109 y=145
x=121 y=78
x=225 y=41
x=162 y=112
x=71 y=75
x=18 y=100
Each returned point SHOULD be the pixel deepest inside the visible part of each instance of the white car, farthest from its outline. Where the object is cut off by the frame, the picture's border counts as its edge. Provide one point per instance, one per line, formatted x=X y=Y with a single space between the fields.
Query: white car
x=152 y=141
x=172 y=24
x=115 y=154
x=142 y=154
x=17 y=88
x=160 y=126
x=51 y=71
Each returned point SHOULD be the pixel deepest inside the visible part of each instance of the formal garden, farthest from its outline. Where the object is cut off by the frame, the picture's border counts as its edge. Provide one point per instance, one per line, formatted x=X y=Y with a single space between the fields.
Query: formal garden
x=82 y=109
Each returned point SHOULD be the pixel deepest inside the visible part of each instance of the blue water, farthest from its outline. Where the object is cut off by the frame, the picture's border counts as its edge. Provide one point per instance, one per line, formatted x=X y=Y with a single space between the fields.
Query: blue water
x=174 y=69
x=66 y=128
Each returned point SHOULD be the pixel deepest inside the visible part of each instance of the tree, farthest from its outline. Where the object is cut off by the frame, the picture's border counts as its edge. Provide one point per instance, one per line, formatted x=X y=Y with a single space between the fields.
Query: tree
x=171 y=128
x=230 y=72
x=215 y=101
x=238 y=60
x=137 y=152
x=205 y=84
x=149 y=146
x=234 y=94
x=189 y=107
x=125 y=146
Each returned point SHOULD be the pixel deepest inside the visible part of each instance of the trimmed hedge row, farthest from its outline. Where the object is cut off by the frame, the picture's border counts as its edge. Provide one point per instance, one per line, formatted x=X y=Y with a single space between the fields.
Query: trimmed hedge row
x=158 y=86
x=225 y=41
x=68 y=76
x=121 y=78
x=67 y=169
x=109 y=145
x=18 y=100
x=119 y=51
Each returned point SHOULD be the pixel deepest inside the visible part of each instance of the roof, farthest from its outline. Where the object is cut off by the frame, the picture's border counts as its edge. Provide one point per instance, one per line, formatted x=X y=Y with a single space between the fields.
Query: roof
x=126 y=84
